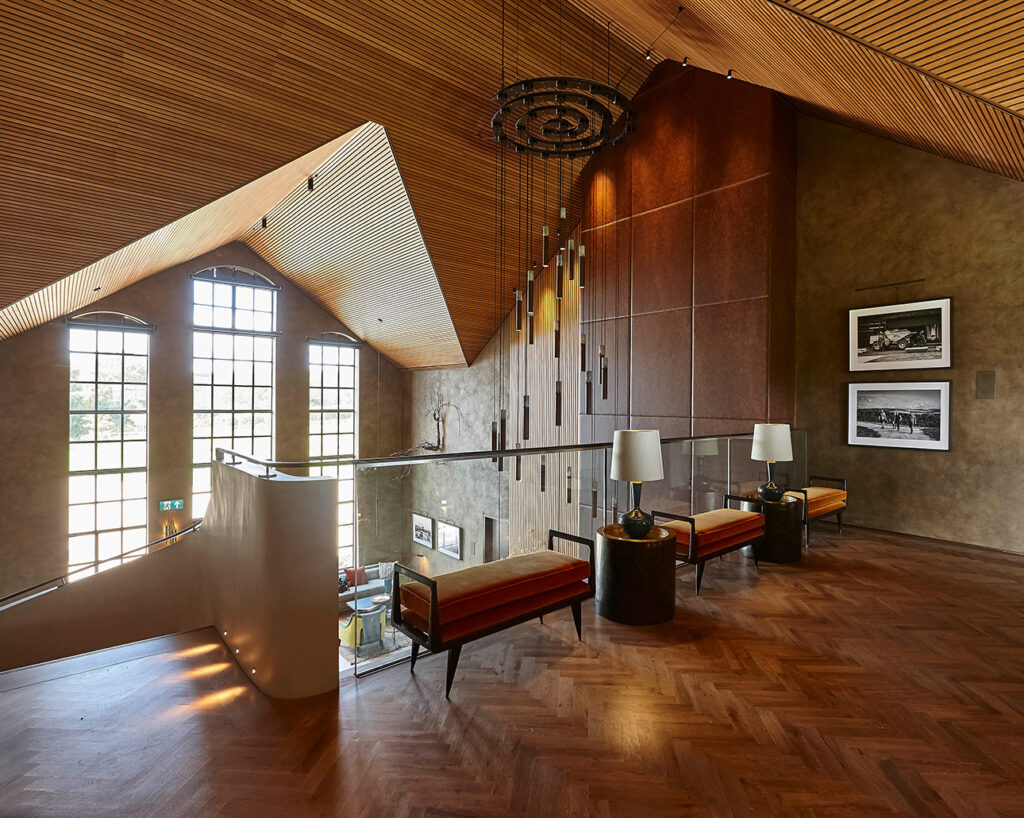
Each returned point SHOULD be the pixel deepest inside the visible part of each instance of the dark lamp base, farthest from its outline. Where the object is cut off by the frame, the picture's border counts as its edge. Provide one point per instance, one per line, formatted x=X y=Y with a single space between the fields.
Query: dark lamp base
x=770 y=492
x=636 y=523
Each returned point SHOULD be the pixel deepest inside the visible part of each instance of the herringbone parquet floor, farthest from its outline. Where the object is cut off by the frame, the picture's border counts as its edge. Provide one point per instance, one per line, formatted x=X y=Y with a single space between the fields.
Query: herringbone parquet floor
x=881 y=675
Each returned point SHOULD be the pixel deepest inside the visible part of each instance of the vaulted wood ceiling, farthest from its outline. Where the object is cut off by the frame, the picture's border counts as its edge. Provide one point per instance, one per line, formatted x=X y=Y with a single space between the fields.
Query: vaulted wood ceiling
x=941 y=76
x=120 y=117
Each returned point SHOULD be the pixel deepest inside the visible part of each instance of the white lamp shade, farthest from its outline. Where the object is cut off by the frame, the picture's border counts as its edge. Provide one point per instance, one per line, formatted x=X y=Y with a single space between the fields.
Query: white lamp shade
x=705 y=448
x=636 y=455
x=772 y=442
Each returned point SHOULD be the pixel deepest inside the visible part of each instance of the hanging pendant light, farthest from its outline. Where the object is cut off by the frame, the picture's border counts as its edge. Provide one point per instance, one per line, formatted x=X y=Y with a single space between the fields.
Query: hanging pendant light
x=604 y=375
x=558 y=338
x=601 y=370
x=494 y=439
x=571 y=258
x=568 y=484
x=529 y=329
x=544 y=246
x=503 y=430
x=589 y=394
x=593 y=500
x=543 y=472
x=558 y=276
x=561 y=228
x=558 y=403
x=526 y=417
x=519 y=465
x=530 y=287
x=583 y=266
x=519 y=310
x=583 y=352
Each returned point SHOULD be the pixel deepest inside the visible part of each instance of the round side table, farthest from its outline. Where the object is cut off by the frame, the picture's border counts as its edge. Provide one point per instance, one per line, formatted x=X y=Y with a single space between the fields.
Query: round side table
x=783 y=531
x=636 y=579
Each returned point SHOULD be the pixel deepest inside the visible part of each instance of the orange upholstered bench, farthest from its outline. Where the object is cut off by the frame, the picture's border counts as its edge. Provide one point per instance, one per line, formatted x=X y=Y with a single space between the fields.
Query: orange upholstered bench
x=455 y=608
x=821 y=501
x=714 y=533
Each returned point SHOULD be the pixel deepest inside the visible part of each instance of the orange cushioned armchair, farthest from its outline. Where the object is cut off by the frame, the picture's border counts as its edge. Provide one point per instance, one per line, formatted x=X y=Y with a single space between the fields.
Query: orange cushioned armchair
x=821 y=501
x=714 y=533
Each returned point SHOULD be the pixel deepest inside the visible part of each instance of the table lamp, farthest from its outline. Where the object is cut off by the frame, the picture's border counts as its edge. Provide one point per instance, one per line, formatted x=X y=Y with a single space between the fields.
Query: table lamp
x=636 y=457
x=772 y=443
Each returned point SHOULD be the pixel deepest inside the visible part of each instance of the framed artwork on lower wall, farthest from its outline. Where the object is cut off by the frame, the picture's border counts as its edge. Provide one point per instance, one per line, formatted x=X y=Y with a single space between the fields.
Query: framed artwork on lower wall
x=423 y=530
x=449 y=540
x=913 y=415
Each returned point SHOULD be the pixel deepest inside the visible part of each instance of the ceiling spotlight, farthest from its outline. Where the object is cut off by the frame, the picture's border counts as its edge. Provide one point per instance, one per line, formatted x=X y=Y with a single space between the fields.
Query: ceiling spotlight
x=686 y=61
x=264 y=222
x=647 y=56
x=729 y=76
x=309 y=183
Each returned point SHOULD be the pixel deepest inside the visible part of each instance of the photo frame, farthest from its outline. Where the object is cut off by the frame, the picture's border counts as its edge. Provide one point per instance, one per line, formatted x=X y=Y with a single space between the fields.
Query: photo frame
x=449 y=539
x=423 y=530
x=908 y=415
x=912 y=335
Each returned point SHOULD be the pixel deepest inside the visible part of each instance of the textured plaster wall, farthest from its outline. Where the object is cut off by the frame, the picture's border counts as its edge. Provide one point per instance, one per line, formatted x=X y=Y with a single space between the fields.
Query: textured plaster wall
x=871 y=212
x=460 y=493
x=34 y=409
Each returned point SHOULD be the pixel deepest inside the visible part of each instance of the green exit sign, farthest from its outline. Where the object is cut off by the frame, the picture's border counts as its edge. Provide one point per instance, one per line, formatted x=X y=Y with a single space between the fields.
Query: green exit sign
x=172 y=505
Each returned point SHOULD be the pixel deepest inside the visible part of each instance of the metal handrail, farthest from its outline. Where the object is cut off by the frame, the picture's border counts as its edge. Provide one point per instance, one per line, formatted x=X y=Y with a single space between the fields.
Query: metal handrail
x=62 y=580
x=411 y=460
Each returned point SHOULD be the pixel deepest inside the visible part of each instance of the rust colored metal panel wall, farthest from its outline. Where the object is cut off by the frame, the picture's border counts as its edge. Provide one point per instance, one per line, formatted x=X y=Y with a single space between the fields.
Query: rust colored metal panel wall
x=690 y=227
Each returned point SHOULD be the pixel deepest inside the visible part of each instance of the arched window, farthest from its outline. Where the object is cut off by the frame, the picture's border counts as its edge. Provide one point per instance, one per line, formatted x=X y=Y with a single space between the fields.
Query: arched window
x=333 y=423
x=233 y=353
x=109 y=411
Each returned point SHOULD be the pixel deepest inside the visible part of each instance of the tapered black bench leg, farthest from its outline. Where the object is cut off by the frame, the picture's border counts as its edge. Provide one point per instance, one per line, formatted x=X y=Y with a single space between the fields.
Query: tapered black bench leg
x=577 y=613
x=700 y=574
x=453 y=662
x=415 y=650
x=839 y=521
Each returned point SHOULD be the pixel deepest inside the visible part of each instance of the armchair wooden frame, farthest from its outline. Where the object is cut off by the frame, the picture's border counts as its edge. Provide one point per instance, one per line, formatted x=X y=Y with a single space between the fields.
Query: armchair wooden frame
x=692 y=555
x=837 y=513
x=434 y=643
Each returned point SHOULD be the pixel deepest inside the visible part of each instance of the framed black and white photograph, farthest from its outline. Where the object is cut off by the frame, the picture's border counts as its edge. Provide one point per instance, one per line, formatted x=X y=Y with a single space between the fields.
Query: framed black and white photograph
x=449 y=540
x=900 y=415
x=423 y=530
x=915 y=335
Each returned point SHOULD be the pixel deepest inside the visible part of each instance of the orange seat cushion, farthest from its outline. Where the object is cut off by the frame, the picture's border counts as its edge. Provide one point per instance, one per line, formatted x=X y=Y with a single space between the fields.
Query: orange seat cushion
x=821 y=500
x=715 y=526
x=472 y=591
x=466 y=627
x=705 y=550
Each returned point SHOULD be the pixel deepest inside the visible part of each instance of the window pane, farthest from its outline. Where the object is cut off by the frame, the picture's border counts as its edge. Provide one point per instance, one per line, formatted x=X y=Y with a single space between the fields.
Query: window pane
x=81 y=549
x=109 y=543
x=108 y=426
x=243 y=297
x=82 y=456
x=135 y=426
x=202 y=397
x=108 y=515
x=134 y=485
x=201 y=479
x=81 y=488
x=133 y=512
x=108 y=487
x=110 y=341
x=83 y=340
x=83 y=366
x=108 y=455
x=135 y=398
x=108 y=368
x=202 y=345
x=263 y=300
x=81 y=518
x=136 y=343
x=83 y=397
x=135 y=454
x=222 y=295
x=83 y=427
x=135 y=369
x=223 y=346
x=203 y=292
x=108 y=396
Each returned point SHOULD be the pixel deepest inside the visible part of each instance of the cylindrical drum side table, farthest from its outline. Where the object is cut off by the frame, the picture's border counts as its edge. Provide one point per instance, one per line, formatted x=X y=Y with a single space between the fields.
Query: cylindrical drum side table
x=783 y=540
x=636 y=579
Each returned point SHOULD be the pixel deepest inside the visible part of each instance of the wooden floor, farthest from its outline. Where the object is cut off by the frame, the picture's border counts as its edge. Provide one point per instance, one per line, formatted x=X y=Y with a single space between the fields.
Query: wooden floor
x=882 y=675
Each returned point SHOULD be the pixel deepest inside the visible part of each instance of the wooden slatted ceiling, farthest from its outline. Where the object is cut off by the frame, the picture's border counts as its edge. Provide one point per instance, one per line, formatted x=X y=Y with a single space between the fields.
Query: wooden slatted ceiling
x=353 y=244
x=838 y=77
x=976 y=46
x=122 y=117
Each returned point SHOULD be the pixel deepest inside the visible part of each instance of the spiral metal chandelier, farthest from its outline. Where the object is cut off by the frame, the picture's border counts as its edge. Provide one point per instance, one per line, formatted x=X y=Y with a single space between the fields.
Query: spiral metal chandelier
x=565 y=117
